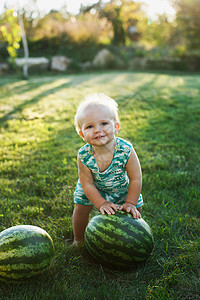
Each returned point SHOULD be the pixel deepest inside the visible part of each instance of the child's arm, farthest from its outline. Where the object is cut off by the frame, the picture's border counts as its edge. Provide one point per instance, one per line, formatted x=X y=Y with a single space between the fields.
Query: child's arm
x=135 y=185
x=91 y=192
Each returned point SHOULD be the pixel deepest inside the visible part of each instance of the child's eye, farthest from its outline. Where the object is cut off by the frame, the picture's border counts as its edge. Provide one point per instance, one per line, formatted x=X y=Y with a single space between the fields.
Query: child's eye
x=104 y=123
x=88 y=127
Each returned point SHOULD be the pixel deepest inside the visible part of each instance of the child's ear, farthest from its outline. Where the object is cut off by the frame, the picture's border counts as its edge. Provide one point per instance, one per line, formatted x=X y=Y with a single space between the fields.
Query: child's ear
x=81 y=134
x=117 y=127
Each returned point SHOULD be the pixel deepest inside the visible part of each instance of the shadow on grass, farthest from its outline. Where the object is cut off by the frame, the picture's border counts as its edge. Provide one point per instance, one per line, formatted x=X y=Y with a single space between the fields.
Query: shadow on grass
x=36 y=99
x=157 y=128
x=163 y=126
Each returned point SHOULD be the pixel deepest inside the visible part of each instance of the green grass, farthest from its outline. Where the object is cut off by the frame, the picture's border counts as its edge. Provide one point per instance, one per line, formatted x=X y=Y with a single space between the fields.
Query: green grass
x=160 y=115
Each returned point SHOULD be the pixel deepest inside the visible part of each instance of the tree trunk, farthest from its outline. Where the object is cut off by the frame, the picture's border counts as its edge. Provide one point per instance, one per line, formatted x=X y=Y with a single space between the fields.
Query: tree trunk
x=25 y=46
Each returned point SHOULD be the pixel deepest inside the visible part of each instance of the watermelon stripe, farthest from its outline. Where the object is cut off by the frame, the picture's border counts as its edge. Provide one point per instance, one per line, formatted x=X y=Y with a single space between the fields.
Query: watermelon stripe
x=23 y=229
x=19 y=242
x=28 y=251
x=118 y=240
x=122 y=255
x=20 y=266
x=22 y=273
x=8 y=238
x=125 y=253
x=34 y=259
x=127 y=230
x=120 y=236
x=17 y=268
x=123 y=230
x=108 y=238
x=117 y=256
x=25 y=251
x=19 y=234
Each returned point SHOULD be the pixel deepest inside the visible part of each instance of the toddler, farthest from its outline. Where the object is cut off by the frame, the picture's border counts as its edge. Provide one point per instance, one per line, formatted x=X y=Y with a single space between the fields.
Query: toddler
x=109 y=171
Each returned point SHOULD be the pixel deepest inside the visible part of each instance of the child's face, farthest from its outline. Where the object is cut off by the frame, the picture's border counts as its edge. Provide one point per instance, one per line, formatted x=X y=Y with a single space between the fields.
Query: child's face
x=98 y=125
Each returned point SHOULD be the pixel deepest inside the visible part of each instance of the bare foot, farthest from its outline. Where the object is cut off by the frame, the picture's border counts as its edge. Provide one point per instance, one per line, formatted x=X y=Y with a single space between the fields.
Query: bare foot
x=78 y=244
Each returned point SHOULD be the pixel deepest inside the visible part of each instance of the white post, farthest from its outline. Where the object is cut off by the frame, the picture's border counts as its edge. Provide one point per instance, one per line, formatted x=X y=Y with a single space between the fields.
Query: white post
x=25 y=45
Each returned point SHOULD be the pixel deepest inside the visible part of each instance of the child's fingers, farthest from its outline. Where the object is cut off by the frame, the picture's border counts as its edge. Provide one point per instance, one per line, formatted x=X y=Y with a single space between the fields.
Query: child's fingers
x=109 y=211
x=109 y=208
x=114 y=206
x=135 y=213
x=121 y=207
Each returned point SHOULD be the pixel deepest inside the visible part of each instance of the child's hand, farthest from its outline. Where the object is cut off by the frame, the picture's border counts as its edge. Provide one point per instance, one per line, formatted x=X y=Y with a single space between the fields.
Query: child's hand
x=109 y=208
x=130 y=208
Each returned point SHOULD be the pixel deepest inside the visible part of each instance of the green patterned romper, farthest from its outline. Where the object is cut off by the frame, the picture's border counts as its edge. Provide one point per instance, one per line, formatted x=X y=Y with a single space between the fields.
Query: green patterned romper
x=113 y=182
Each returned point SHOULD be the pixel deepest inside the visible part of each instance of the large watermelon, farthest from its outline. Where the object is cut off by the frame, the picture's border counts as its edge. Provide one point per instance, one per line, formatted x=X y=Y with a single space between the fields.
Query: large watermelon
x=118 y=240
x=25 y=251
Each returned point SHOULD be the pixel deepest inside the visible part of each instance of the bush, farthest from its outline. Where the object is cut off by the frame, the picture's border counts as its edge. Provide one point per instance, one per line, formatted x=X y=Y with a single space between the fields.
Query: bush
x=78 y=51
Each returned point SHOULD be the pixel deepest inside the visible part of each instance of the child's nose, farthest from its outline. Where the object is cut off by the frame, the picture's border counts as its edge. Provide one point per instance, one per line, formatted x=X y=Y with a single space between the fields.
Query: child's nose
x=97 y=128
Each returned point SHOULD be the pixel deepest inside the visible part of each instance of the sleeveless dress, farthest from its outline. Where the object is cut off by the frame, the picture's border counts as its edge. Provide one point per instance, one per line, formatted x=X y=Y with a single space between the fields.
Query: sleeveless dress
x=112 y=183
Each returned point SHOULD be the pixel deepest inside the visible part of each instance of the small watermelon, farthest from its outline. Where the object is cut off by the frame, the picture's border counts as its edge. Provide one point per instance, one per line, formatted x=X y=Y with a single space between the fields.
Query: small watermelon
x=25 y=251
x=118 y=240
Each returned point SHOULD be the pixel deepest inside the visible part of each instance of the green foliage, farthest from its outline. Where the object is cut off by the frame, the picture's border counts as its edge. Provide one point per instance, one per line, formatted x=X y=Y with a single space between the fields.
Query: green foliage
x=188 y=24
x=122 y=15
x=159 y=33
x=79 y=29
x=11 y=33
x=119 y=23
x=159 y=114
x=76 y=37
x=113 y=13
x=78 y=51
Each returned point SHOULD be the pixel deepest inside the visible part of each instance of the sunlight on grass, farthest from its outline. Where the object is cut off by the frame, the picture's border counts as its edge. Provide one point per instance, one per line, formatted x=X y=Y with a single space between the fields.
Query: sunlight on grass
x=159 y=114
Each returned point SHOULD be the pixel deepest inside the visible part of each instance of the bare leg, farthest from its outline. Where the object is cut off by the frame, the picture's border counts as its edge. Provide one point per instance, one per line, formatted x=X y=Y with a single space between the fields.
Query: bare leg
x=80 y=221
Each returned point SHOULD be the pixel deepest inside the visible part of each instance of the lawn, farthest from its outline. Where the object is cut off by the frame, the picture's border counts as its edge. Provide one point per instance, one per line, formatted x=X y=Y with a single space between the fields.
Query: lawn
x=160 y=115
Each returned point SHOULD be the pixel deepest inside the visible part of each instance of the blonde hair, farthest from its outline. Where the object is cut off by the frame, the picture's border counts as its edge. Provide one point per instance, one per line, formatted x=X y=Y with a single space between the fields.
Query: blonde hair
x=95 y=99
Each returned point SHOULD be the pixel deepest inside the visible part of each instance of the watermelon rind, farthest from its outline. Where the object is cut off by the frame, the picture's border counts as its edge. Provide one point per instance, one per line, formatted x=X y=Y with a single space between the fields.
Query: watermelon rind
x=118 y=240
x=25 y=252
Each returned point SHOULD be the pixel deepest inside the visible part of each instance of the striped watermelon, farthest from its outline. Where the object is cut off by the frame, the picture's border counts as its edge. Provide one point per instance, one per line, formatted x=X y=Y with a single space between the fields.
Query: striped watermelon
x=118 y=240
x=25 y=251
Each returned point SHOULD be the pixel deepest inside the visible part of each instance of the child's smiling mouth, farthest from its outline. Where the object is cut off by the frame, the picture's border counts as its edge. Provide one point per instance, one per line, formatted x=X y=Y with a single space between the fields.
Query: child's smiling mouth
x=99 y=137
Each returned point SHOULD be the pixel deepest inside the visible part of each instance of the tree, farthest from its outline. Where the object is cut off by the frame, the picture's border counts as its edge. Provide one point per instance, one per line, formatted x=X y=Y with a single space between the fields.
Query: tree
x=13 y=30
x=159 y=34
x=25 y=45
x=112 y=12
x=188 y=23
x=123 y=15
x=11 y=33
